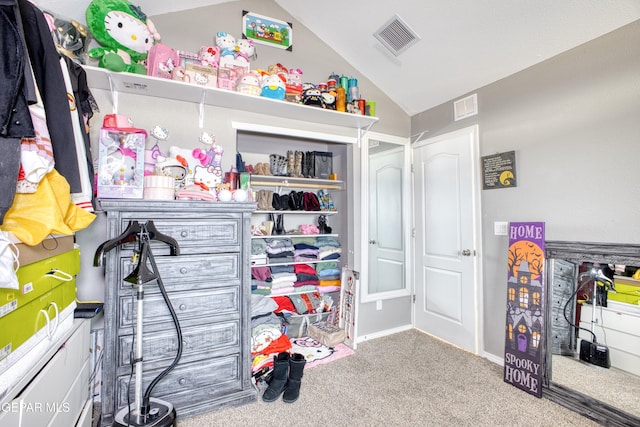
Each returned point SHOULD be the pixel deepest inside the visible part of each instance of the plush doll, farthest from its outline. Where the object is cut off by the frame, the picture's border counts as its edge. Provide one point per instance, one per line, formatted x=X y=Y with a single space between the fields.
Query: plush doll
x=273 y=86
x=227 y=44
x=246 y=50
x=313 y=96
x=209 y=56
x=124 y=33
x=249 y=84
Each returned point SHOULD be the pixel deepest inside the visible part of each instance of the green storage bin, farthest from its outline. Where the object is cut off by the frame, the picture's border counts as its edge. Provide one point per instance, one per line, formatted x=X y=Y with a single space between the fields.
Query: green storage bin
x=21 y=324
x=627 y=290
x=39 y=278
x=42 y=284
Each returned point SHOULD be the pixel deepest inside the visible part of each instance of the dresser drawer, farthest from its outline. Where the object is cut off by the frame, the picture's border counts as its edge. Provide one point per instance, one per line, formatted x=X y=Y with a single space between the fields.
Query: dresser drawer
x=162 y=346
x=564 y=269
x=189 y=272
x=197 y=234
x=210 y=377
x=195 y=304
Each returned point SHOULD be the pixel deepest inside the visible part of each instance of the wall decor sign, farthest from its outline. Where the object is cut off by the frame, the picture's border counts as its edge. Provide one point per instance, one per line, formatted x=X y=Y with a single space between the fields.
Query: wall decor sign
x=524 y=332
x=499 y=170
x=264 y=30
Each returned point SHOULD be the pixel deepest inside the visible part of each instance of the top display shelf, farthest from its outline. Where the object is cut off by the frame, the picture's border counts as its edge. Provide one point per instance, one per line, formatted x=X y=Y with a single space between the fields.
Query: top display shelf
x=99 y=78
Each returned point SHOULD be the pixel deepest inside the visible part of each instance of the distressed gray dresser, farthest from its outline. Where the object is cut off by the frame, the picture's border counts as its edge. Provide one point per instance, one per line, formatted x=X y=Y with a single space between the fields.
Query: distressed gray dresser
x=209 y=287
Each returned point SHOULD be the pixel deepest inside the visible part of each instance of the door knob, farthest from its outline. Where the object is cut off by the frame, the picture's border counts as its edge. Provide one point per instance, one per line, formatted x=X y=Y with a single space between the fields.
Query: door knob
x=372 y=242
x=466 y=252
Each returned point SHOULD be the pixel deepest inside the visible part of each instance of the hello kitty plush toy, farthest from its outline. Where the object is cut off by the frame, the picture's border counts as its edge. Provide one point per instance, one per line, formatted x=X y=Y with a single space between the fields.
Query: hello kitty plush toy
x=227 y=45
x=273 y=86
x=124 y=33
x=249 y=84
x=209 y=56
x=246 y=50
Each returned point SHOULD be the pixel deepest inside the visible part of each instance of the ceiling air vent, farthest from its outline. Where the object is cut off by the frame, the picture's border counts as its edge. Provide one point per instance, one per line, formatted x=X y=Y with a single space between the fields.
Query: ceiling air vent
x=396 y=35
x=465 y=107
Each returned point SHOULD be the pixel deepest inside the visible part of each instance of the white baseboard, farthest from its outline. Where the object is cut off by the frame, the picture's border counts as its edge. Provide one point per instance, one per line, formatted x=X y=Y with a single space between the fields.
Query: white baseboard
x=493 y=358
x=384 y=333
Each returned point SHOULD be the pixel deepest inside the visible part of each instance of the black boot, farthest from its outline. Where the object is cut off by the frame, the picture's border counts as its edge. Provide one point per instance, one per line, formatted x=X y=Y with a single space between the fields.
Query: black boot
x=296 y=366
x=279 y=226
x=278 y=378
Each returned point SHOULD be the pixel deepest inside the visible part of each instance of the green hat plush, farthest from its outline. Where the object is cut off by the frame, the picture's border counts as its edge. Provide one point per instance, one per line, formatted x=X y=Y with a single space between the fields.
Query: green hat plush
x=124 y=33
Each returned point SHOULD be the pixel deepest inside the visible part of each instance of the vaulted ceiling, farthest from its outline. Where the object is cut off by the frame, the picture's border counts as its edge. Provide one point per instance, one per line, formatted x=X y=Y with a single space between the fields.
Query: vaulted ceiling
x=461 y=44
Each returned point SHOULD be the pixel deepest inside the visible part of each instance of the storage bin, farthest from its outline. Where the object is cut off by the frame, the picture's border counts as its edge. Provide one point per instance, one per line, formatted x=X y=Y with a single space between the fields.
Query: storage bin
x=627 y=290
x=46 y=288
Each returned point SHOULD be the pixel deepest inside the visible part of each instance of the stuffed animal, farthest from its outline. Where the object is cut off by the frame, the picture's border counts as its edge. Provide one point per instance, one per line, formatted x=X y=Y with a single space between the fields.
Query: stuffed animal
x=246 y=50
x=124 y=33
x=313 y=96
x=273 y=86
x=227 y=44
x=209 y=56
x=249 y=84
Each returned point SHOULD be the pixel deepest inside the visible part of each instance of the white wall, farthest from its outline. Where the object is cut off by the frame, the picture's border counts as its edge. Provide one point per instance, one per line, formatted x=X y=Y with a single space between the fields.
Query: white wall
x=574 y=123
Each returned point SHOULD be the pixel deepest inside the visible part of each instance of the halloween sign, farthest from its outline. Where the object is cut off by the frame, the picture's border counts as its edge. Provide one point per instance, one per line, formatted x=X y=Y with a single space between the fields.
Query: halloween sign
x=524 y=332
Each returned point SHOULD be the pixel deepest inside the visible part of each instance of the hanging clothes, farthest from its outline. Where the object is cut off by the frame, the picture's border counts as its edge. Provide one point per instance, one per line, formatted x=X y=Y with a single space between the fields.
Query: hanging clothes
x=15 y=95
x=45 y=62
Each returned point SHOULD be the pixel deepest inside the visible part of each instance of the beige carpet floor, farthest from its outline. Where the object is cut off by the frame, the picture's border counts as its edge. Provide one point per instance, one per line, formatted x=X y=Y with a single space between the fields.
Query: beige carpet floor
x=405 y=379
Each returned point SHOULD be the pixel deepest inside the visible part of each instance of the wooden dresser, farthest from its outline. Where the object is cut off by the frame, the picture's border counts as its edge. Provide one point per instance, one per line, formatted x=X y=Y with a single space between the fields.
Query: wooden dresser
x=209 y=287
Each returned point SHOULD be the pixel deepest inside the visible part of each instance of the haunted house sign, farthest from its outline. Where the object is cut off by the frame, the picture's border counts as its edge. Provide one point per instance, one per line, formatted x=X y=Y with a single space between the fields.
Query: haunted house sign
x=525 y=307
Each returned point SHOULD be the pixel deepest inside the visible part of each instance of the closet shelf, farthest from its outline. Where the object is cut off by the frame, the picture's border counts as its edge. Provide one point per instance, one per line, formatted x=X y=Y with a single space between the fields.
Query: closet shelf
x=100 y=78
x=282 y=236
x=311 y=261
x=285 y=181
x=298 y=212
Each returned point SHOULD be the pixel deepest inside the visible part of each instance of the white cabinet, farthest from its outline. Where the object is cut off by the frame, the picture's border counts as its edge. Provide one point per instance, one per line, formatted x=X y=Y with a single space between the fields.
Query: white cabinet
x=619 y=330
x=56 y=395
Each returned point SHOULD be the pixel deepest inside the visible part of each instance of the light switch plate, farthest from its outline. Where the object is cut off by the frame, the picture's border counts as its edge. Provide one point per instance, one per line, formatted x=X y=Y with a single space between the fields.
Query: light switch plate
x=500 y=228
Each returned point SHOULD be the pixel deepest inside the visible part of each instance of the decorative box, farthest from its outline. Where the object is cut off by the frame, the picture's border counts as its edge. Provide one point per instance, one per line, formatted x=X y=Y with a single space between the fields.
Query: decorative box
x=121 y=163
x=326 y=333
x=201 y=75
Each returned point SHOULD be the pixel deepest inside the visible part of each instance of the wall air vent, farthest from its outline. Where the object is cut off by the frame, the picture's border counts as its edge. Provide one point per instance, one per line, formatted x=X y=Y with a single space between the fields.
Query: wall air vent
x=396 y=35
x=465 y=107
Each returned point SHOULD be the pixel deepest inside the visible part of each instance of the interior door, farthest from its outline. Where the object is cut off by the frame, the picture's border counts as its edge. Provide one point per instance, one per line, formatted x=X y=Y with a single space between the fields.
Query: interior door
x=447 y=238
x=386 y=237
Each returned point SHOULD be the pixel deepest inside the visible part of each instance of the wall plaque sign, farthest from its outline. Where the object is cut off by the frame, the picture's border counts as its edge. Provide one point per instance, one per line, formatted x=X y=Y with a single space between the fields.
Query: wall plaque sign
x=499 y=170
x=524 y=331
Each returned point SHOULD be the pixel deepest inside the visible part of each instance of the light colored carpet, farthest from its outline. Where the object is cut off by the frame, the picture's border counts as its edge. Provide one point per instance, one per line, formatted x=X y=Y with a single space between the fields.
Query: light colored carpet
x=405 y=379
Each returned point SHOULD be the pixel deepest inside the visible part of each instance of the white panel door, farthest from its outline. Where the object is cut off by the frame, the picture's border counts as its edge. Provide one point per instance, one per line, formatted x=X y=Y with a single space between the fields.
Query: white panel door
x=446 y=285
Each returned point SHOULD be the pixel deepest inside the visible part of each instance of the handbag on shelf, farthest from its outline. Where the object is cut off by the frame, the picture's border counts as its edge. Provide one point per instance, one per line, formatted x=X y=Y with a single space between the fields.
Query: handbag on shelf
x=323 y=164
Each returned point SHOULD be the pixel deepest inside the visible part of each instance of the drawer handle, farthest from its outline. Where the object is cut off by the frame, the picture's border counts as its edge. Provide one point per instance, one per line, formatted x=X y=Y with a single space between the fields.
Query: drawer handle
x=184 y=233
x=183 y=270
x=182 y=381
x=183 y=307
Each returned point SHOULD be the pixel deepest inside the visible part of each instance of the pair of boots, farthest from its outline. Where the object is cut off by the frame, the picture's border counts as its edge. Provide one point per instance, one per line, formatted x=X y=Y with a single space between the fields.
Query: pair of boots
x=286 y=377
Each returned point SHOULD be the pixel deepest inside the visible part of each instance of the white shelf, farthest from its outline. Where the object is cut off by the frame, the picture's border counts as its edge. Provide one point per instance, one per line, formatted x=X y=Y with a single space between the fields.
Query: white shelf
x=311 y=261
x=286 y=181
x=100 y=78
x=298 y=212
x=282 y=236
